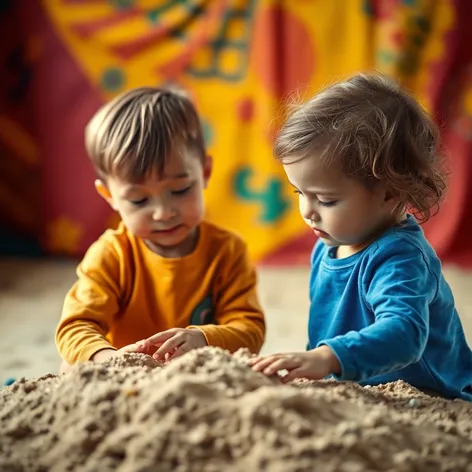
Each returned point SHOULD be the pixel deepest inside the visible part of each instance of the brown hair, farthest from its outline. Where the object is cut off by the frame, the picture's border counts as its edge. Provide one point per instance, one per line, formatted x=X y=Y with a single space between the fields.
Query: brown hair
x=134 y=134
x=375 y=132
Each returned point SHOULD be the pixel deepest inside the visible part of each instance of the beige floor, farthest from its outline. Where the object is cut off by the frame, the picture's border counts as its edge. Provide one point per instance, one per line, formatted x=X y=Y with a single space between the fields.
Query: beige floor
x=31 y=294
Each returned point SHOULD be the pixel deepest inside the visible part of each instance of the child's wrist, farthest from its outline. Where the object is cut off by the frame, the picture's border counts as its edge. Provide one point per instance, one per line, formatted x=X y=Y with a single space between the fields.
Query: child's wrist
x=103 y=355
x=330 y=359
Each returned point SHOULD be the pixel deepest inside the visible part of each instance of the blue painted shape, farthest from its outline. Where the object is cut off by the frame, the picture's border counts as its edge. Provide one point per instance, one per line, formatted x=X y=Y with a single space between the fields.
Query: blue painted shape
x=385 y=56
x=207 y=133
x=112 y=80
x=9 y=382
x=271 y=198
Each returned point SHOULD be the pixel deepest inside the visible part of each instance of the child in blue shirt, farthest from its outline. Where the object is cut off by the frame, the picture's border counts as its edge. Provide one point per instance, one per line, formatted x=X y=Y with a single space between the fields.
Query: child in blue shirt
x=364 y=159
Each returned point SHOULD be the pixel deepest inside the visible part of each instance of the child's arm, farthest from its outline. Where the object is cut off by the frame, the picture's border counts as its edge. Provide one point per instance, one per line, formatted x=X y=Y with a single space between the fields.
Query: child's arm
x=399 y=287
x=90 y=305
x=399 y=290
x=239 y=316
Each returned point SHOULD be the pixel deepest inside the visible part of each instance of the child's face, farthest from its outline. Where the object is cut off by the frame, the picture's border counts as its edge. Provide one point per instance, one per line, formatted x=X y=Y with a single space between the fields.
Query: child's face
x=165 y=212
x=340 y=210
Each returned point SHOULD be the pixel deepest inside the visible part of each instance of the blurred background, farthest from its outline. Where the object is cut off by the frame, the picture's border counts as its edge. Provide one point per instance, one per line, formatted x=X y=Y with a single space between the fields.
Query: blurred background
x=239 y=60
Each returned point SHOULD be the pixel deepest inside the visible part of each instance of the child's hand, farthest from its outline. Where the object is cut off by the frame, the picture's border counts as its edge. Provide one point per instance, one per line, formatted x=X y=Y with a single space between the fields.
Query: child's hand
x=173 y=342
x=313 y=365
x=105 y=354
x=136 y=347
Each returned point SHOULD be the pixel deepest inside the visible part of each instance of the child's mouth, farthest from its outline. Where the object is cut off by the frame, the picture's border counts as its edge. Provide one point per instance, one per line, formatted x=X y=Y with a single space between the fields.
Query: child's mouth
x=167 y=231
x=319 y=233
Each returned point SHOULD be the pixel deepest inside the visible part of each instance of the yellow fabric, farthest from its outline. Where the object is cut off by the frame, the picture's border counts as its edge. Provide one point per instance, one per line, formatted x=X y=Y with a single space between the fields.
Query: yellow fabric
x=125 y=293
x=239 y=59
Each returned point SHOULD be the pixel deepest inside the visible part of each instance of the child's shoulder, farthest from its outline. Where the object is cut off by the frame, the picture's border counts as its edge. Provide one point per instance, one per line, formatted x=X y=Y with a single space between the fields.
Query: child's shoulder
x=111 y=242
x=219 y=237
x=404 y=241
x=115 y=237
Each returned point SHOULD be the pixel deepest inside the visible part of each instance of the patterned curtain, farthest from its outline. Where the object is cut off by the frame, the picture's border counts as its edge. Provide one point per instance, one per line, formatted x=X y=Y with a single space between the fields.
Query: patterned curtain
x=239 y=60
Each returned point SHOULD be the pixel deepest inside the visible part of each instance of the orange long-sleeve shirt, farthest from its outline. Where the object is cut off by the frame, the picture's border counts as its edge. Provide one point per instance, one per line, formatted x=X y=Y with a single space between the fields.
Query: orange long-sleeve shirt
x=125 y=293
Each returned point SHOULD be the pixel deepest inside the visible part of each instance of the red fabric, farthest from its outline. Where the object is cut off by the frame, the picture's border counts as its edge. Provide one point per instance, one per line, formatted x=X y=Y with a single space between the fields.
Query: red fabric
x=58 y=101
x=65 y=102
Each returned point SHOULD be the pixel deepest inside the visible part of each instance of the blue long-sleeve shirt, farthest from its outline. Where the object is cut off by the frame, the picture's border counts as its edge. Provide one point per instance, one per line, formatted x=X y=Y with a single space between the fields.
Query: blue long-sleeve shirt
x=388 y=314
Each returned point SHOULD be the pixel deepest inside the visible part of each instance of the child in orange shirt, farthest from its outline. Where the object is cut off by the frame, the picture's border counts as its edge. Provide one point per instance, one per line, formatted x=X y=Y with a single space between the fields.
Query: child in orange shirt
x=166 y=281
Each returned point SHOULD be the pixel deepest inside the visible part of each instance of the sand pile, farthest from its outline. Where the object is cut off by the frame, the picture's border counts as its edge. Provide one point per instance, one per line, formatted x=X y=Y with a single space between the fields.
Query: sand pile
x=208 y=411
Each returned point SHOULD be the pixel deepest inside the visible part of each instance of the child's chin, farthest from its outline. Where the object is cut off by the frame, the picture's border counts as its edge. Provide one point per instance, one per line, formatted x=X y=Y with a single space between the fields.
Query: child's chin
x=173 y=240
x=168 y=242
x=330 y=242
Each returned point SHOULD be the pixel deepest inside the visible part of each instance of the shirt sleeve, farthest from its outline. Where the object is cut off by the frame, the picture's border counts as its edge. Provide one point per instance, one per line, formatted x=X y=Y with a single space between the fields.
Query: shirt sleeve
x=398 y=289
x=90 y=305
x=239 y=317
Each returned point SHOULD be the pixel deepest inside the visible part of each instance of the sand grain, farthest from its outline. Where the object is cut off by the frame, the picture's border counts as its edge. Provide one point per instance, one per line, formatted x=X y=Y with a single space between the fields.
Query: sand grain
x=208 y=411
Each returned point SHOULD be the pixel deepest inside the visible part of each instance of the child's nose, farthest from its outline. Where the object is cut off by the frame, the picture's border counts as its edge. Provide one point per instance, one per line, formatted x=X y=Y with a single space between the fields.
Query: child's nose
x=163 y=213
x=309 y=213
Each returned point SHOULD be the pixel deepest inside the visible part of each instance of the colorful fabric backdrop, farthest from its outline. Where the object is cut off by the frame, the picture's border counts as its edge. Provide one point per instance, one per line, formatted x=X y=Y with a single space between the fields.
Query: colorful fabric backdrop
x=238 y=58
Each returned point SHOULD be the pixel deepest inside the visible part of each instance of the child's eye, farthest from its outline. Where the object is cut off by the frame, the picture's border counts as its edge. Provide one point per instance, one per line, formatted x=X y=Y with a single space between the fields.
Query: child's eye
x=328 y=204
x=181 y=191
x=140 y=202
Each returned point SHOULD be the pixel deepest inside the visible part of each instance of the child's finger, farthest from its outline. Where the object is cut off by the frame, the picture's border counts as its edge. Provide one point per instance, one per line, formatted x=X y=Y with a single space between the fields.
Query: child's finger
x=130 y=348
x=263 y=363
x=292 y=375
x=170 y=345
x=168 y=355
x=254 y=360
x=280 y=364
x=143 y=349
x=159 y=339
x=141 y=345
x=180 y=351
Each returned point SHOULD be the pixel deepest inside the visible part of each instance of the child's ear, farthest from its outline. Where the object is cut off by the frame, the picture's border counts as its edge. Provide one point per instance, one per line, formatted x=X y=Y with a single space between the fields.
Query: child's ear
x=389 y=196
x=391 y=200
x=207 y=169
x=103 y=191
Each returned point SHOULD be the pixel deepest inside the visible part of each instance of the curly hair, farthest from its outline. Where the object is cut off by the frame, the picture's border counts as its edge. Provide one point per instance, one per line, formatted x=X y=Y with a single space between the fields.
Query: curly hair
x=374 y=131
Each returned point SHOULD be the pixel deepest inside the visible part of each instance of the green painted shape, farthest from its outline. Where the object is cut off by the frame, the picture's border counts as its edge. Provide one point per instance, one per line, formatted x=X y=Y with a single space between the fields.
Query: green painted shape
x=271 y=199
x=154 y=14
x=112 y=79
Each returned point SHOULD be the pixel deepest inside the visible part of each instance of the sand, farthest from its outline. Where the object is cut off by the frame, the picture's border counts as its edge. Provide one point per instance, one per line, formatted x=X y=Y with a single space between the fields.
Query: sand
x=208 y=411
